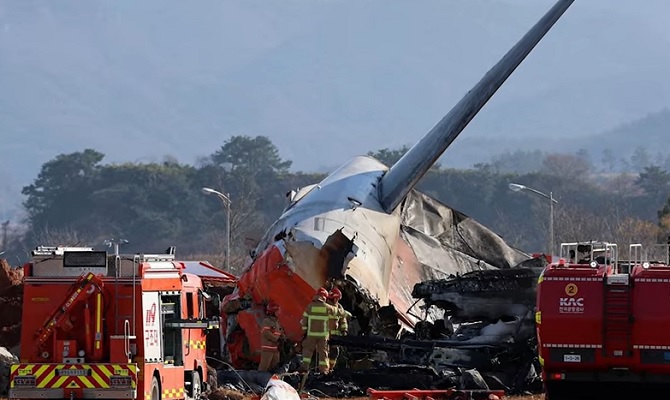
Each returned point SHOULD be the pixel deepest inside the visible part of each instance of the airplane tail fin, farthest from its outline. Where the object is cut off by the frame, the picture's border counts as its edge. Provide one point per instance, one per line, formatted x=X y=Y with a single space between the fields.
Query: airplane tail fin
x=404 y=174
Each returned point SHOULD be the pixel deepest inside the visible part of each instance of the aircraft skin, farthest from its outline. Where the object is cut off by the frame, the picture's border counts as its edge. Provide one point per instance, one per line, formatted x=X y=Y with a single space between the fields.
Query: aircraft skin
x=347 y=227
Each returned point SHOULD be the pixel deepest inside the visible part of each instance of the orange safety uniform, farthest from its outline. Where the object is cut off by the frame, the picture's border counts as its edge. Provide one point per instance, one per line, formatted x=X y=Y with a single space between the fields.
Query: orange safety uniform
x=315 y=328
x=338 y=325
x=271 y=331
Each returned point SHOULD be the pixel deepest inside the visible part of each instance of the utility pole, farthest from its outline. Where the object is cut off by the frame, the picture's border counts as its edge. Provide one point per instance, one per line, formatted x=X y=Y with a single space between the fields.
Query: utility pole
x=225 y=199
x=515 y=187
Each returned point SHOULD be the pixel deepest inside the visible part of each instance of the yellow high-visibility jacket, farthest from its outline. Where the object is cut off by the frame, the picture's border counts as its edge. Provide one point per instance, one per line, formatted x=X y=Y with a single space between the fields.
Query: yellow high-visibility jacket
x=316 y=317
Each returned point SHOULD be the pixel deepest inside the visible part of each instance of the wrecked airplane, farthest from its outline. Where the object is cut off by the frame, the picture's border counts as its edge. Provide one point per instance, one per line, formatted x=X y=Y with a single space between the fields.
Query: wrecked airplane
x=366 y=230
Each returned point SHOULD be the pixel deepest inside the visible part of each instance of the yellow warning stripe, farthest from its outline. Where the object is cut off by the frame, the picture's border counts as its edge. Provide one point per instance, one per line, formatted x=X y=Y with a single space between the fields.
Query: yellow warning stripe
x=100 y=374
x=173 y=393
x=102 y=383
x=196 y=344
x=98 y=320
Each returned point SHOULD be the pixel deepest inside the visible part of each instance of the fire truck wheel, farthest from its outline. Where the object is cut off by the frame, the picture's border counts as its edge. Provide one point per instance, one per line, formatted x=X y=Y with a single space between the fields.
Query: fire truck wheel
x=196 y=387
x=155 y=389
x=212 y=378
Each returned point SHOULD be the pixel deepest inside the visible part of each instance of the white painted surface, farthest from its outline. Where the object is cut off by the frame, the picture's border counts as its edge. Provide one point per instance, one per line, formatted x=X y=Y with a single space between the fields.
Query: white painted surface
x=151 y=314
x=327 y=207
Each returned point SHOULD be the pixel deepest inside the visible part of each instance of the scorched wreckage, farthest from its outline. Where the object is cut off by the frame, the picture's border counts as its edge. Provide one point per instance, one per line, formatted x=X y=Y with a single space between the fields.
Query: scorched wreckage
x=363 y=229
x=366 y=230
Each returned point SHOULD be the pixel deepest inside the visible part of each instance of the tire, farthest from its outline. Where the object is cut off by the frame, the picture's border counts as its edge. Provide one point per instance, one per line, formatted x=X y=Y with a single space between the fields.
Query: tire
x=212 y=378
x=196 y=387
x=155 y=389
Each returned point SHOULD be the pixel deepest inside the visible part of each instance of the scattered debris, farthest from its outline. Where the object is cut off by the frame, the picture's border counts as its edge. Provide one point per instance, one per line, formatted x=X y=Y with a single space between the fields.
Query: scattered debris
x=227 y=394
x=6 y=359
x=277 y=389
x=11 y=298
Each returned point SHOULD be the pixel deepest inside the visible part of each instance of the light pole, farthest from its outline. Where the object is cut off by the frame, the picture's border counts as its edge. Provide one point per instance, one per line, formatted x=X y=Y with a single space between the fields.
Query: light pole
x=225 y=198
x=115 y=244
x=515 y=187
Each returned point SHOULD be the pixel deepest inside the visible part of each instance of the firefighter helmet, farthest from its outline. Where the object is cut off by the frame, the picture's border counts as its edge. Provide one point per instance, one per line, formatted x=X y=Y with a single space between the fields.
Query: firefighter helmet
x=272 y=307
x=322 y=292
x=336 y=294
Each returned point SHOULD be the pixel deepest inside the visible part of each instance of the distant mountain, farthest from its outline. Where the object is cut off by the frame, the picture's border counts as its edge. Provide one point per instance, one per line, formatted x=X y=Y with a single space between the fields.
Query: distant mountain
x=324 y=80
x=651 y=132
x=647 y=136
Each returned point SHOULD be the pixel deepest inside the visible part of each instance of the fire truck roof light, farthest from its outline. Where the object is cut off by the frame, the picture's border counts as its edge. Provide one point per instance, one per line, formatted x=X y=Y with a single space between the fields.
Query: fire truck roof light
x=594 y=264
x=645 y=265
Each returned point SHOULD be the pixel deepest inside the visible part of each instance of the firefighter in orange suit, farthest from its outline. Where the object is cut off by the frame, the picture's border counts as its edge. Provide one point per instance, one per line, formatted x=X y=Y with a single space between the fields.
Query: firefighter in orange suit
x=271 y=331
x=338 y=325
x=315 y=329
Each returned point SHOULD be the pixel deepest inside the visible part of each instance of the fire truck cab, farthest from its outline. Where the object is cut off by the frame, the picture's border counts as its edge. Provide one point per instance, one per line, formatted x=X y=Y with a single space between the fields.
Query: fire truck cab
x=604 y=321
x=114 y=326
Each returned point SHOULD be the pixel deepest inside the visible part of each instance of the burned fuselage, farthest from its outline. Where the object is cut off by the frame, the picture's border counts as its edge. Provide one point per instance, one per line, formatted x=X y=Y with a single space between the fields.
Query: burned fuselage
x=352 y=230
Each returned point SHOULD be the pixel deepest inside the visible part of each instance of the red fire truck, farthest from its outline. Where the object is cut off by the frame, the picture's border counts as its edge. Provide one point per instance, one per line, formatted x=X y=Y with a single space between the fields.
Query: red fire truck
x=111 y=327
x=602 y=322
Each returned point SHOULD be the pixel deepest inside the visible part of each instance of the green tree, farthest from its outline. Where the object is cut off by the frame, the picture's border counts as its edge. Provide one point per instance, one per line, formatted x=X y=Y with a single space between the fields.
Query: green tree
x=250 y=169
x=152 y=205
x=252 y=156
x=654 y=181
x=389 y=157
x=60 y=196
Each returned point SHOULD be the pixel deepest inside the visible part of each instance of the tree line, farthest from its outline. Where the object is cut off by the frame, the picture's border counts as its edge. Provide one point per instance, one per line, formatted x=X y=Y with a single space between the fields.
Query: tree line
x=78 y=199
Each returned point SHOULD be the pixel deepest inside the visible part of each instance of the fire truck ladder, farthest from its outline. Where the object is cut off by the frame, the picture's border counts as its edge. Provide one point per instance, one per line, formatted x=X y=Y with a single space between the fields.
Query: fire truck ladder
x=80 y=291
x=121 y=319
x=617 y=321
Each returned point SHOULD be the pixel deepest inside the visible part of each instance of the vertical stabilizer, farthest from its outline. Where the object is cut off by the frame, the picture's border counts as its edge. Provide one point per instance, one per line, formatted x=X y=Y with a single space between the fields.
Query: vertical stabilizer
x=405 y=173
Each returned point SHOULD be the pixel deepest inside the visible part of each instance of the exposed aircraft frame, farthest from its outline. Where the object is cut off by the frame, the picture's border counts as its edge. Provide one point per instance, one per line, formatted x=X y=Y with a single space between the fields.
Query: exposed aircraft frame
x=352 y=230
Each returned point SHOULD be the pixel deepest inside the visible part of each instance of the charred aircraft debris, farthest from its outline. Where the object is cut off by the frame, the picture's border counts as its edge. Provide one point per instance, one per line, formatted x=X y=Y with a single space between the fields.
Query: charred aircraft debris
x=396 y=253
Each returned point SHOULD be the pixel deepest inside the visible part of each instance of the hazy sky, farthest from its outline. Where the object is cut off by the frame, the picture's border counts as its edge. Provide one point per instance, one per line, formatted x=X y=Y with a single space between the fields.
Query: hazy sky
x=325 y=80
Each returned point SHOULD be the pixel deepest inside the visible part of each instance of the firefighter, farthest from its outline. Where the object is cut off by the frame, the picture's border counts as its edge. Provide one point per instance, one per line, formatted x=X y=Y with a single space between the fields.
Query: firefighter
x=338 y=325
x=315 y=329
x=271 y=331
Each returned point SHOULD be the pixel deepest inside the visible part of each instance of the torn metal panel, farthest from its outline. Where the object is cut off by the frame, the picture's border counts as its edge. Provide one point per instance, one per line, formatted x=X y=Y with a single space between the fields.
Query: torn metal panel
x=451 y=242
x=287 y=273
x=436 y=242
x=358 y=203
x=486 y=295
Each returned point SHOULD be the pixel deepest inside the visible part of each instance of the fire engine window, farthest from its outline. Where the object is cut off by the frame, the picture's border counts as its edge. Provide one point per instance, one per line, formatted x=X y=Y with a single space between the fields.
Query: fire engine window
x=172 y=337
x=189 y=305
